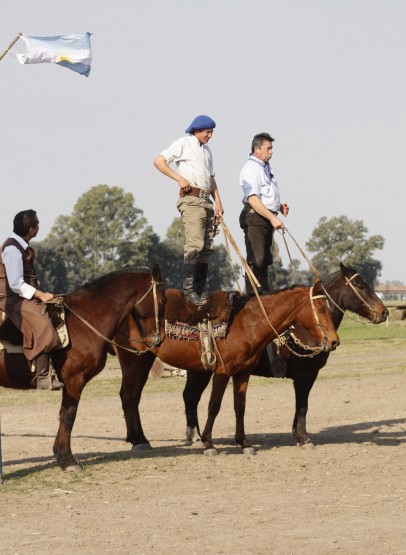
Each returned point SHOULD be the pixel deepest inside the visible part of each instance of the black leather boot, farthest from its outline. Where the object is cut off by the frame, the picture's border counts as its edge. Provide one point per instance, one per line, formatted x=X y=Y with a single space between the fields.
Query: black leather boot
x=248 y=287
x=189 y=285
x=263 y=280
x=44 y=379
x=202 y=269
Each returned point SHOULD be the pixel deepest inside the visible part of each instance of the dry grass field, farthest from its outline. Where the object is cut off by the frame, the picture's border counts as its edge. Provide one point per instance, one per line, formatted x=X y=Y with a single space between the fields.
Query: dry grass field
x=345 y=496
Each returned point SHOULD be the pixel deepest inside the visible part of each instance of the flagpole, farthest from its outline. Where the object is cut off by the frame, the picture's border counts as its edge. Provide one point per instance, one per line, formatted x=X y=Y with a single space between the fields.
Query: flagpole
x=12 y=43
x=1 y=459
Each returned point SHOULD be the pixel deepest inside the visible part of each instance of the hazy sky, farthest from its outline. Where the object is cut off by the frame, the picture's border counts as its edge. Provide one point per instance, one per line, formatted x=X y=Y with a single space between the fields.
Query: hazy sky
x=326 y=79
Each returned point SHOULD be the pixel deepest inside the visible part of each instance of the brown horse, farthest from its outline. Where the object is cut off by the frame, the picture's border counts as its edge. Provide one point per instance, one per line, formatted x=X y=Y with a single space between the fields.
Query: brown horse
x=239 y=352
x=94 y=314
x=348 y=291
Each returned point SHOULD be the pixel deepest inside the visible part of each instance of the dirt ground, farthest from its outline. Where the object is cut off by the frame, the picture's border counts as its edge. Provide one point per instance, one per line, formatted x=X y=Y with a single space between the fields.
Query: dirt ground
x=345 y=496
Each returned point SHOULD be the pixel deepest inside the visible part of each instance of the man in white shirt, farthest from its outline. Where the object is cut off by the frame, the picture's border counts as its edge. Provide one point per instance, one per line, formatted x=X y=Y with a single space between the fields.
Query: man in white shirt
x=195 y=177
x=21 y=299
x=259 y=217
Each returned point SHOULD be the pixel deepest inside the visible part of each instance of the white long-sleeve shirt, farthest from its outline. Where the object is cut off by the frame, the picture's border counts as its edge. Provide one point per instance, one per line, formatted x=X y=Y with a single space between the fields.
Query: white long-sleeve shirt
x=13 y=262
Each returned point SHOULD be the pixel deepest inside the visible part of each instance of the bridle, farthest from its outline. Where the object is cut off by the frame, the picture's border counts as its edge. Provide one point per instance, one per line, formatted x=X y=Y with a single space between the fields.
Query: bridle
x=281 y=339
x=348 y=282
x=316 y=316
x=156 y=337
x=284 y=338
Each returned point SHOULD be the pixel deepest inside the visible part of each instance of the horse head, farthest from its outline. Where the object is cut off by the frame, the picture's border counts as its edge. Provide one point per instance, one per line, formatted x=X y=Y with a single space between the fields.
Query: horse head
x=359 y=297
x=150 y=307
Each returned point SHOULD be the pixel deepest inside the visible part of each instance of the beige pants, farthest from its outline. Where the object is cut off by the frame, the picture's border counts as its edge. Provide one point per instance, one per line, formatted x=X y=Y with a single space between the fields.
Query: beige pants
x=198 y=220
x=27 y=315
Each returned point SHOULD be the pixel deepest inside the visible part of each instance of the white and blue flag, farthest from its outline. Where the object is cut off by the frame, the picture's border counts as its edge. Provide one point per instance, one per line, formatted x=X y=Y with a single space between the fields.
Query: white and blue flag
x=71 y=51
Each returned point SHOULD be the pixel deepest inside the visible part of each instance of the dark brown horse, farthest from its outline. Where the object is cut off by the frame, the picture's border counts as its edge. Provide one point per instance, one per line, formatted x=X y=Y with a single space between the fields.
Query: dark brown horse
x=94 y=314
x=349 y=292
x=239 y=352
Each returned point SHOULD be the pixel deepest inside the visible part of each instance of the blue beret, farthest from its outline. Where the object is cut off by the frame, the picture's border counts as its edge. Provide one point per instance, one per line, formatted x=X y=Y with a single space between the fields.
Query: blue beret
x=201 y=122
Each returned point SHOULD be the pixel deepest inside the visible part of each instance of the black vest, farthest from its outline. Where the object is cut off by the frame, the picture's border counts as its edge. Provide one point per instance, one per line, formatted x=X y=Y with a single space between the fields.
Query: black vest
x=30 y=276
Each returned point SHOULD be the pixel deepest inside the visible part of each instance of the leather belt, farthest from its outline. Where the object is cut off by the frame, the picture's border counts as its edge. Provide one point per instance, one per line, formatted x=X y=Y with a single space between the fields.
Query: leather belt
x=195 y=192
x=252 y=211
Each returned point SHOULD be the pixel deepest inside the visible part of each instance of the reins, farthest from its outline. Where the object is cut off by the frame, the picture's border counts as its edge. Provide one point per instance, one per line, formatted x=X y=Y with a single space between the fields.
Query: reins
x=255 y=284
x=156 y=336
x=317 y=274
x=315 y=270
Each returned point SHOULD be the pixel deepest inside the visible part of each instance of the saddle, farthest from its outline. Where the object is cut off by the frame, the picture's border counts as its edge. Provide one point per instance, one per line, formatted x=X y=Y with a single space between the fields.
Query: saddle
x=184 y=320
x=11 y=338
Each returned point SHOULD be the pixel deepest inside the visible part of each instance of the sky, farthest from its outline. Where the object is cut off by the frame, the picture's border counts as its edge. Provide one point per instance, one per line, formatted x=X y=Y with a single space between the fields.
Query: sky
x=326 y=79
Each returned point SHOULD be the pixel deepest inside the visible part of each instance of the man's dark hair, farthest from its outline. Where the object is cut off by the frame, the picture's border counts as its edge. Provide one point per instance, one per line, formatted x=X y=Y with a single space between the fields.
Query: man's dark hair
x=259 y=140
x=24 y=221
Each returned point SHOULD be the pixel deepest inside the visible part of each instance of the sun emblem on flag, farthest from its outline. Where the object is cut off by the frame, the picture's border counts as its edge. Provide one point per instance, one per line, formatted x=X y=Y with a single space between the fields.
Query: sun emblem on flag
x=63 y=59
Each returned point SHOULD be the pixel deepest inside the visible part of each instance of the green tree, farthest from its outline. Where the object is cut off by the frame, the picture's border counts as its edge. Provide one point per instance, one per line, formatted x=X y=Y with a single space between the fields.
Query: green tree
x=280 y=277
x=104 y=232
x=341 y=239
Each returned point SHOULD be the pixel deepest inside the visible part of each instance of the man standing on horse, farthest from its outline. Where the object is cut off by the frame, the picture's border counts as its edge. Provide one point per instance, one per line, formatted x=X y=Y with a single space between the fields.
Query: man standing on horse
x=195 y=176
x=259 y=217
x=21 y=299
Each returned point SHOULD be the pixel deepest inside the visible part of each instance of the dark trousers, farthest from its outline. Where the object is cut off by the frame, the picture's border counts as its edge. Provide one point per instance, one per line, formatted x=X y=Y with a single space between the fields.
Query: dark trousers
x=258 y=234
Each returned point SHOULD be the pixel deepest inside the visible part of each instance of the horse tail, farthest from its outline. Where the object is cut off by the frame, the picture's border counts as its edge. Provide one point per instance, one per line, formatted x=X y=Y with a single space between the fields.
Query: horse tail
x=157 y=369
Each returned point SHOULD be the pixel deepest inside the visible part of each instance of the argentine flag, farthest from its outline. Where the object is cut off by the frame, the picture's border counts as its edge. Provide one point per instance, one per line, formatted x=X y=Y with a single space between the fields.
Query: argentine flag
x=71 y=51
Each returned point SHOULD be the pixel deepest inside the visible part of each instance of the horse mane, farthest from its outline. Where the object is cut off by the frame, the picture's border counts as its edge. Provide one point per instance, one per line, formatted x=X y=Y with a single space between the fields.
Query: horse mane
x=107 y=277
x=331 y=278
x=240 y=302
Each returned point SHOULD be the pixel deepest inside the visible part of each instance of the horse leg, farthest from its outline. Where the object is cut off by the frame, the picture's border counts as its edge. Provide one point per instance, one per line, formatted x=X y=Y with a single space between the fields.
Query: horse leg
x=62 y=447
x=134 y=378
x=240 y=385
x=196 y=383
x=303 y=383
x=220 y=382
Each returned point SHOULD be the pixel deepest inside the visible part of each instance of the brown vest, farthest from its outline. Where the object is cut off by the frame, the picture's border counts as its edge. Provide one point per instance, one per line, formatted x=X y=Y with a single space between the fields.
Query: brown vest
x=30 y=276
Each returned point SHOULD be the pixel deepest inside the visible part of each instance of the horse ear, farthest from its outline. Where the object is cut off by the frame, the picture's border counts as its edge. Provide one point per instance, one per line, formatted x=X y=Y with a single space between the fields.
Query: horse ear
x=346 y=271
x=156 y=273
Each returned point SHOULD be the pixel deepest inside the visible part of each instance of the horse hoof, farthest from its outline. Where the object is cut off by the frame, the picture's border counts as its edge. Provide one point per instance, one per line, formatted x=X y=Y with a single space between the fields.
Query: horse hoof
x=249 y=451
x=192 y=436
x=141 y=447
x=74 y=468
x=197 y=444
x=211 y=452
x=309 y=446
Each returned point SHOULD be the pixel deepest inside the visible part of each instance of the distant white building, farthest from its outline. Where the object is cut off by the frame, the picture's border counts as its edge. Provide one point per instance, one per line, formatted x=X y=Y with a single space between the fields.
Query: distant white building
x=388 y=292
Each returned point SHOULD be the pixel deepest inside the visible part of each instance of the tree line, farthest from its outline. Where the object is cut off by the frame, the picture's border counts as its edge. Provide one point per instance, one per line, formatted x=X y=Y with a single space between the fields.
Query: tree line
x=106 y=231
